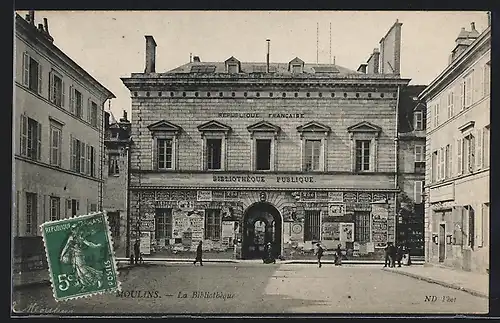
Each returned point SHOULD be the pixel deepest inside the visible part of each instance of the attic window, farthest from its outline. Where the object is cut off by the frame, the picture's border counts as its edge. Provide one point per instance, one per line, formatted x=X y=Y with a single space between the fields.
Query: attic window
x=232 y=68
x=296 y=68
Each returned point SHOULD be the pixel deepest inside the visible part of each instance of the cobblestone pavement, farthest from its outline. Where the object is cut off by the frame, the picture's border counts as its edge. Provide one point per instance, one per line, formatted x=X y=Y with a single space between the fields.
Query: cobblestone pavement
x=259 y=288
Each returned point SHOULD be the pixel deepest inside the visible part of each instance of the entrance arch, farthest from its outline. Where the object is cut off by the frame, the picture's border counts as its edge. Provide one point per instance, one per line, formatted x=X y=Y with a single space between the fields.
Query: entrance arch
x=262 y=223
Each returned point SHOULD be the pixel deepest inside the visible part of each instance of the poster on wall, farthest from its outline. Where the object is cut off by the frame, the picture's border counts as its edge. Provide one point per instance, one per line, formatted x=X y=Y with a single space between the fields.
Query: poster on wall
x=147 y=225
x=336 y=197
x=336 y=209
x=380 y=212
x=346 y=232
x=188 y=225
x=379 y=233
x=328 y=230
x=185 y=205
x=204 y=196
x=296 y=232
x=145 y=243
x=227 y=233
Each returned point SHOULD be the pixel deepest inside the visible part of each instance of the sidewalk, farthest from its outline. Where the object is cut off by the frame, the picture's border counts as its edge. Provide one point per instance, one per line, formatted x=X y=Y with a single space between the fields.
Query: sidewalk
x=473 y=283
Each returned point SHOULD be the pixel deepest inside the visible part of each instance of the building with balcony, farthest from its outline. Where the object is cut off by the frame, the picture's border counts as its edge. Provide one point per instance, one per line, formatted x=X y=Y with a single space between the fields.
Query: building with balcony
x=117 y=142
x=290 y=153
x=58 y=134
x=457 y=204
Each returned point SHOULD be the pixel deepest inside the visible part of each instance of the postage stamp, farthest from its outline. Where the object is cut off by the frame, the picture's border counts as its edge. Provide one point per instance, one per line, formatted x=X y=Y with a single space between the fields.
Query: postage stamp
x=80 y=256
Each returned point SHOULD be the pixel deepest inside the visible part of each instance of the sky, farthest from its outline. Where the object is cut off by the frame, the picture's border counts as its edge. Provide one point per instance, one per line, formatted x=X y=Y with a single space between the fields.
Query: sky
x=111 y=44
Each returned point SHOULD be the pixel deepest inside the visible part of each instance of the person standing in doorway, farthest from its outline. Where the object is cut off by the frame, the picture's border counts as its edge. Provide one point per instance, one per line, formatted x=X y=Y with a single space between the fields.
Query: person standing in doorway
x=199 y=253
x=319 y=253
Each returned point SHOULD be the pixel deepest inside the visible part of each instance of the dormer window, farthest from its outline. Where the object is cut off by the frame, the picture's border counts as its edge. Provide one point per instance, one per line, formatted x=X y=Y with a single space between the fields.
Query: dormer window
x=418 y=121
x=233 y=65
x=296 y=66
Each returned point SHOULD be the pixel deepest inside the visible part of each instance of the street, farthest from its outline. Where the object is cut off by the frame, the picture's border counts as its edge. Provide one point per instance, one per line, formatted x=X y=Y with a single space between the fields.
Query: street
x=259 y=288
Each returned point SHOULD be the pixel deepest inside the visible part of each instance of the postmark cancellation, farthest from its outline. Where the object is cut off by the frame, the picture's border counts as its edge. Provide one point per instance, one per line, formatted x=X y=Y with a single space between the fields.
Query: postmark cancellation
x=80 y=256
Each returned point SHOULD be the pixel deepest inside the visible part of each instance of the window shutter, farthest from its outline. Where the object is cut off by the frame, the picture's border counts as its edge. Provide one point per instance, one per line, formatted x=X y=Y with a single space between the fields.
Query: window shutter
x=462 y=94
x=24 y=135
x=63 y=98
x=39 y=78
x=479 y=148
x=155 y=153
x=459 y=156
x=39 y=141
x=78 y=205
x=89 y=111
x=71 y=153
x=82 y=157
x=479 y=227
x=456 y=214
x=438 y=165
x=417 y=192
x=450 y=161
x=51 y=87
x=486 y=147
x=94 y=154
x=26 y=69
x=71 y=99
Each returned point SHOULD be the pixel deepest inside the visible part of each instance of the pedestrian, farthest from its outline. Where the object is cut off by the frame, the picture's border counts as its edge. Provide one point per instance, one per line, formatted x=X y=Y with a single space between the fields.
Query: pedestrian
x=392 y=255
x=338 y=255
x=199 y=253
x=319 y=253
x=387 y=252
x=399 y=254
x=137 y=251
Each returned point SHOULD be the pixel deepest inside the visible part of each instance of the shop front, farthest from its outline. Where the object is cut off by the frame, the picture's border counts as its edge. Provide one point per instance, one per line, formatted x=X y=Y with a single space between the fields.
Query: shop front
x=245 y=217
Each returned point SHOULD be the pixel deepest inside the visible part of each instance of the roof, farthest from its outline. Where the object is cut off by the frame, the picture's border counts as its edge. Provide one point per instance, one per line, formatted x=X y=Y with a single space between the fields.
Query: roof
x=408 y=100
x=260 y=67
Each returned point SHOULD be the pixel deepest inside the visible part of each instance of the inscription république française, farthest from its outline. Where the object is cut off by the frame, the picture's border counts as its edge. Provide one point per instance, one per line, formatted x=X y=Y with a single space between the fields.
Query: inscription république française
x=259 y=115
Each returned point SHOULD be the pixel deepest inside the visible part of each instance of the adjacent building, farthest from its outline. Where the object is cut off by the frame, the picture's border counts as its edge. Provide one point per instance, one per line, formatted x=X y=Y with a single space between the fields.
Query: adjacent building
x=117 y=142
x=458 y=156
x=57 y=134
x=291 y=153
x=411 y=169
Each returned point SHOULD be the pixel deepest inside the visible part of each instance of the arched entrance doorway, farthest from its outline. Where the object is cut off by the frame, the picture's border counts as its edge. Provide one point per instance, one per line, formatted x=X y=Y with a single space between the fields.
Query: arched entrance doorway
x=261 y=224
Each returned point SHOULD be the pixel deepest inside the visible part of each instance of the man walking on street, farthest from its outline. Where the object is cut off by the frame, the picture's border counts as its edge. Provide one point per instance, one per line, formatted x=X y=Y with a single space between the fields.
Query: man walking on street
x=387 y=254
x=137 y=251
x=199 y=252
x=319 y=253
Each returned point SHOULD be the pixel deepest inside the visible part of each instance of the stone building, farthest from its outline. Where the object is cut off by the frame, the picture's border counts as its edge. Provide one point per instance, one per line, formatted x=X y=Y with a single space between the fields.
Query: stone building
x=117 y=142
x=58 y=133
x=290 y=153
x=411 y=169
x=458 y=156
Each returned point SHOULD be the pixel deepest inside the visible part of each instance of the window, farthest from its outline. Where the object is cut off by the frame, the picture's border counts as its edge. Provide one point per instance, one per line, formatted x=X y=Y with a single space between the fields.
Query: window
x=56 y=89
x=83 y=157
x=362 y=226
x=468 y=84
x=113 y=164
x=418 y=122
x=93 y=114
x=312 y=225
x=468 y=154
x=418 y=189
x=296 y=68
x=486 y=79
x=76 y=102
x=31 y=138
x=362 y=155
x=213 y=224
x=436 y=115
x=55 y=208
x=214 y=153
x=263 y=154
x=163 y=223
x=232 y=68
x=73 y=206
x=312 y=155
x=31 y=213
x=486 y=147
x=441 y=166
x=434 y=165
x=448 y=162
x=55 y=145
x=93 y=160
x=450 y=104
x=32 y=74
x=165 y=153
x=419 y=158
x=114 y=224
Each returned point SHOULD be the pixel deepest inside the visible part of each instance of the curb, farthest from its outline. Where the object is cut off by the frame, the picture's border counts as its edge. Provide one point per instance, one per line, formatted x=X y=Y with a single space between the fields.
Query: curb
x=438 y=282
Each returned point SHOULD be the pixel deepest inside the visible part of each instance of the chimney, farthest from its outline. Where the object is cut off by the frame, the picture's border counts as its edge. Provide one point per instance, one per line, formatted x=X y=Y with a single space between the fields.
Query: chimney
x=362 y=68
x=32 y=17
x=124 y=118
x=150 y=54
x=40 y=28
x=46 y=25
x=196 y=59
x=106 y=119
x=473 y=26
x=376 y=60
x=267 y=56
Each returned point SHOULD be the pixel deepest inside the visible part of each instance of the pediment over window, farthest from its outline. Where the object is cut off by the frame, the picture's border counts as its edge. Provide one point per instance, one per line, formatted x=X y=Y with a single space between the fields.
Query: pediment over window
x=164 y=126
x=313 y=126
x=214 y=126
x=364 y=127
x=264 y=126
x=466 y=126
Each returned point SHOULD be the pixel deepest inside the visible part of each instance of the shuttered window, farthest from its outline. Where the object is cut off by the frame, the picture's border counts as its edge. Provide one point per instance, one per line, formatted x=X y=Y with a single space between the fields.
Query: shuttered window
x=417 y=191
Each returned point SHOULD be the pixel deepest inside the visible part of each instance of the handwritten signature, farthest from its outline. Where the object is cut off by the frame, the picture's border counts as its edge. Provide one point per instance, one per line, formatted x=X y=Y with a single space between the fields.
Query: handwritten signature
x=36 y=308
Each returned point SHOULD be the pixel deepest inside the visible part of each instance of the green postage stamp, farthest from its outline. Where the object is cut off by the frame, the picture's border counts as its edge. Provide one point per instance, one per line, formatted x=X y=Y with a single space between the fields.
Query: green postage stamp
x=80 y=256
